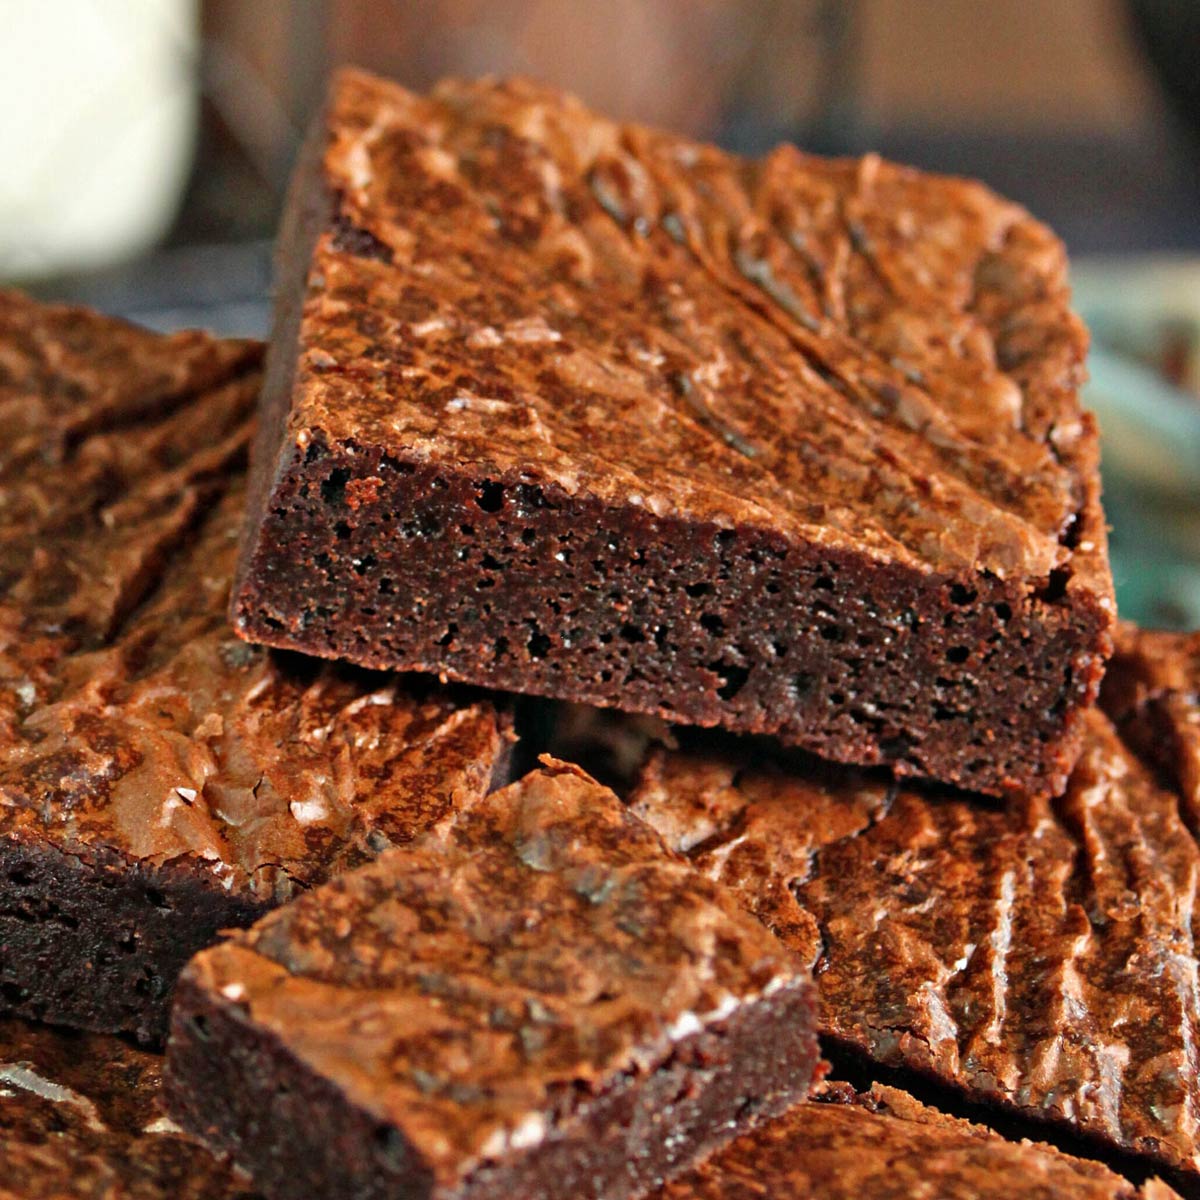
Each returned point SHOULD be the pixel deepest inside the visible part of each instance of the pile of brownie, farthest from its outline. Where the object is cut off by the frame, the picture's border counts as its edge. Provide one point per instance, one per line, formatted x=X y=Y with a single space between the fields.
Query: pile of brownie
x=758 y=496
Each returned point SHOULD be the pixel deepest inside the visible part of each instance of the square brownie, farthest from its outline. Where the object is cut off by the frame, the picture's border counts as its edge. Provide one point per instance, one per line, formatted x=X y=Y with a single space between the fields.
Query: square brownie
x=160 y=780
x=1035 y=956
x=537 y=999
x=79 y=1120
x=586 y=410
x=882 y=1144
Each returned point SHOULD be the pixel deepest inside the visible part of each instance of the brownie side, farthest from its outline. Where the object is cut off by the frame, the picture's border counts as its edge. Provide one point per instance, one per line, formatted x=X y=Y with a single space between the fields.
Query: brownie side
x=143 y=747
x=242 y=1091
x=884 y=1144
x=1035 y=956
x=972 y=682
x=551 y=359
x=308 y=210
x=80 y=1120
x=534 y=997
x=95 y=941
x=239 y=1090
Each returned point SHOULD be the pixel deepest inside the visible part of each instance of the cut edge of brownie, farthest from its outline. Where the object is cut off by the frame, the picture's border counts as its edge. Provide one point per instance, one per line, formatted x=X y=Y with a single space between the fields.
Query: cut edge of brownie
x=306 y=213
x=110 y=967
x=629 y=1137
x=1039 y=662
x=1007 y=667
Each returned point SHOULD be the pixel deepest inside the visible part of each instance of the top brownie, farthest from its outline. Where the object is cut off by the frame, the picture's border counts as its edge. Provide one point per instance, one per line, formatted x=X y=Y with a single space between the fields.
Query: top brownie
x=160 y=780
x=577 y=408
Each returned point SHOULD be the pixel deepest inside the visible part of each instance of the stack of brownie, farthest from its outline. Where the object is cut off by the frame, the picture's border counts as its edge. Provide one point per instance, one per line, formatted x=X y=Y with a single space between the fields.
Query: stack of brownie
x=560 y=413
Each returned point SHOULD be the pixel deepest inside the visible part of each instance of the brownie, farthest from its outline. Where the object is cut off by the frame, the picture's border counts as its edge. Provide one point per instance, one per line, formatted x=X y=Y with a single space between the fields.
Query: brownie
x=1036 y=956
x=535 y=1000
x=580 y=409
x=79 y=1120
x=1152 y=693
x=160 y=780
x=885 y=1145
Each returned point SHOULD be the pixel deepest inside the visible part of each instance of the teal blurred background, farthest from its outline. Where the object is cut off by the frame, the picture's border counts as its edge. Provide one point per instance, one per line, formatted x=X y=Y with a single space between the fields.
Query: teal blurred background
x=1145 y=388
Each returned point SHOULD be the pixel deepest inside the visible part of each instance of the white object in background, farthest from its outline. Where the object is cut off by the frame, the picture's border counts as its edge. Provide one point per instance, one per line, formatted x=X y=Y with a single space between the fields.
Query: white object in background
x=98 y=106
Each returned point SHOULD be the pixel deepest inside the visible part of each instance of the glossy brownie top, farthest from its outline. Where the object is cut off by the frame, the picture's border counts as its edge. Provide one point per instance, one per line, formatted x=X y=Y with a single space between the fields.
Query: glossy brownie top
x=477 y=985
x=882 y=1144
x=1038 y=953
x=846 y=352
x=79 y=1120
x=132 y=720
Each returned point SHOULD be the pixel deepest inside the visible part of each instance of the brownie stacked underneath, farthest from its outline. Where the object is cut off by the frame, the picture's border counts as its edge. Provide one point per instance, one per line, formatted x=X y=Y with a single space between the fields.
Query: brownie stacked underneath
x=1036 y=955
x=159 y=779
x=586 y=410
x=884 y=1145
x=79 y=1119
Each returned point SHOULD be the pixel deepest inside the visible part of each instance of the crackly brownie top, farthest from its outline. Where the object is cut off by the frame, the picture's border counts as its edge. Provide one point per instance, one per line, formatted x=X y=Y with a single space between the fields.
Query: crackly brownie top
x=844 y=351
x=1038 y=953
x=79 y=1120
x=1152 y=692
x=132 y=720
x=476 y=985
x=883 y=1143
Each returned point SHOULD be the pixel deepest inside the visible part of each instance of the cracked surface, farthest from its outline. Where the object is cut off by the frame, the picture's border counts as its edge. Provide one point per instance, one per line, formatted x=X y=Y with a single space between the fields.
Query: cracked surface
x=1038 y=955
x=138 y=735
x=500 y=1002
x=79 y=1120
x=883 y=1144
x=796 y=339
x=506 y=322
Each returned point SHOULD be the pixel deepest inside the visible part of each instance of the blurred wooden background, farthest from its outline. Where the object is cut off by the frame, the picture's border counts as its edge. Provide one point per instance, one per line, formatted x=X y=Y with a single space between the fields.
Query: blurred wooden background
x=926 y=79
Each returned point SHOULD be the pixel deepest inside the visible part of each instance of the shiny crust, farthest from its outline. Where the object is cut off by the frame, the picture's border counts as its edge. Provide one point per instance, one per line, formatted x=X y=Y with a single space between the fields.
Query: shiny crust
x=483 y=991
x=885 y=1145
x=79 y=1120
x=1037 y=955
x=850 y=279
x=847 y=361
x=135 y=729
